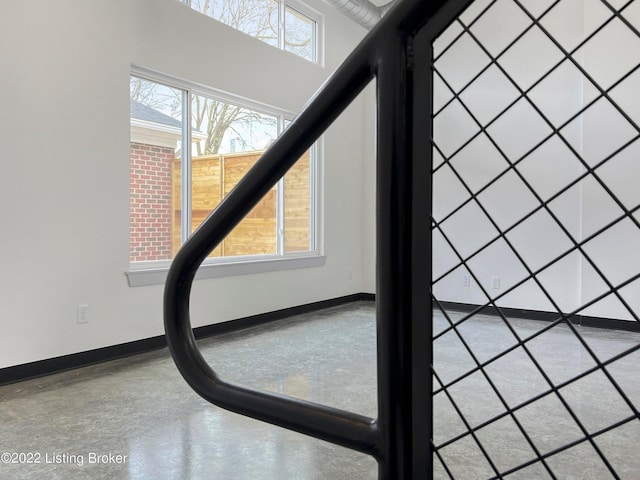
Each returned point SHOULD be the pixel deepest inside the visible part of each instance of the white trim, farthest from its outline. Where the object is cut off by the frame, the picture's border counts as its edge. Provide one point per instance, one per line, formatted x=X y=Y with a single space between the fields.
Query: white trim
x=174 y=132
x=196 y=88
x=158 y=275
x=317 y=198
x=143 y=131
x=185 y=168
x=153 y=136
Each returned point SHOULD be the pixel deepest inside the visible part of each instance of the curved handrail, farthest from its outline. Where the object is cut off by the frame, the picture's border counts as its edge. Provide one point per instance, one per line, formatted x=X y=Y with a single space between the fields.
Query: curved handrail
x=330 y=424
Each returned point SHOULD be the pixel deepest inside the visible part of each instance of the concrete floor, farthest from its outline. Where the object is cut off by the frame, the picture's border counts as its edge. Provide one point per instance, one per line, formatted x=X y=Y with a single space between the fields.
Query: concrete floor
x=141 y=409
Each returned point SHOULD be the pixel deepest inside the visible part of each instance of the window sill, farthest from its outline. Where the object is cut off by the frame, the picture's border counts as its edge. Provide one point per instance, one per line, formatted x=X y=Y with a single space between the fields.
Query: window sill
x=157 y=276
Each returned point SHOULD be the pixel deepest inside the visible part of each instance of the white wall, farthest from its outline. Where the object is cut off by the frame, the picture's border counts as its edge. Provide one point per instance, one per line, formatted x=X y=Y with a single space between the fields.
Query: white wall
x=615 y=252
x=368 y=220
x=572 y=282
x=64 y=185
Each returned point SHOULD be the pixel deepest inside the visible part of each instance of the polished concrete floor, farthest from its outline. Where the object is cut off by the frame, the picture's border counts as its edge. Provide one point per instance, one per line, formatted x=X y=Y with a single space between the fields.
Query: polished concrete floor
x=135 y=418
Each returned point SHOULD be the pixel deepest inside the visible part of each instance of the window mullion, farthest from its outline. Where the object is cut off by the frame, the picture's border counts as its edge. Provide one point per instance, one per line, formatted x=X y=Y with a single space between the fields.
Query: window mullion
x=280 y=203
x=281 y=25
x=185 y=197
x=280 y=217
x=313 y=197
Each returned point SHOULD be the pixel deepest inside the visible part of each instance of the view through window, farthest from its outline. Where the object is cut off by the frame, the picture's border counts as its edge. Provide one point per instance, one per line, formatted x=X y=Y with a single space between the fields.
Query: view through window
x=288 y=25
x=181 y=170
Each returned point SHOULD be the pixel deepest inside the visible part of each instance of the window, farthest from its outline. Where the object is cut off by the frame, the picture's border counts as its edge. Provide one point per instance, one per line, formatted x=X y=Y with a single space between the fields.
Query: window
x=286 y=24
x=189 y=148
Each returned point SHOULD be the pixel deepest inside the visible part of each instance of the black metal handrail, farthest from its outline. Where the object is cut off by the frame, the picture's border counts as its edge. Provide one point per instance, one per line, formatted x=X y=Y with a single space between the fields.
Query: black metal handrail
x=398 y=52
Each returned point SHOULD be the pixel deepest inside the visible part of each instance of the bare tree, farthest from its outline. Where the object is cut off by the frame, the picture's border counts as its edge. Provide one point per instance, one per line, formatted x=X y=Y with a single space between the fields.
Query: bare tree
x=298 y=34
x=216 y=119
x=258 y=18
x=165 y=99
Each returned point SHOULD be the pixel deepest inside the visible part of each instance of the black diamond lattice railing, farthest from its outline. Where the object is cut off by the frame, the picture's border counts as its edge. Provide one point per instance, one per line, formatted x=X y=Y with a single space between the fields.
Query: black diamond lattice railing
x=536 y=165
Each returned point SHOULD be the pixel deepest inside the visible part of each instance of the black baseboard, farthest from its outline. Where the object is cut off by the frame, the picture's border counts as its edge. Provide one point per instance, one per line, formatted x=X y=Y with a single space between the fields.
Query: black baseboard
x=262 y=318
x=82 y=359
x=49 y=366
x=583 y=320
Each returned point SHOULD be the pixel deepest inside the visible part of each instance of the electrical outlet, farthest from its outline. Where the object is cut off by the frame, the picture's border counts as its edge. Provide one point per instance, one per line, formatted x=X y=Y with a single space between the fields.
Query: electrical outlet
x=495 y=283
x=466 y=280
x=82 y=314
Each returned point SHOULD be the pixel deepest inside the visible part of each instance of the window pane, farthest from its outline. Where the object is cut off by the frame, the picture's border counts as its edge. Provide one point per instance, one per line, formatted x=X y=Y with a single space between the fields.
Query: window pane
x=299 y=33
x=156 y=138
x=258 y=18
x=297 y=206
x=257 y=233
x=228 y=140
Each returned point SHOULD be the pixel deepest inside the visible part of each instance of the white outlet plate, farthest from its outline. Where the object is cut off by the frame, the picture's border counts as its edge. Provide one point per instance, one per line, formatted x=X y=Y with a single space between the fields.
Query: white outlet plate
x=82 y=314
x=495 y=283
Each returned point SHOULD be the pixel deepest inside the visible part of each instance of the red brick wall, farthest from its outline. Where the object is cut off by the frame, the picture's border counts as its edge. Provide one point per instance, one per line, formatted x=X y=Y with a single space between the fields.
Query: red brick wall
x=150 y=202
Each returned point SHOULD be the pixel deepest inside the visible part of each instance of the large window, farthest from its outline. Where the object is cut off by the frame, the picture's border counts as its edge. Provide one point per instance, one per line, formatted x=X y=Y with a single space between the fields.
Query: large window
x=189 y=148
x=286 y=24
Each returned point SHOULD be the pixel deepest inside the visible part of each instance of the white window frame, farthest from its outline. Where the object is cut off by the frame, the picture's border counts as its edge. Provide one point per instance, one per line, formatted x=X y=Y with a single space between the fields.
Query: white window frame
x=304 y=9
x=155 y=272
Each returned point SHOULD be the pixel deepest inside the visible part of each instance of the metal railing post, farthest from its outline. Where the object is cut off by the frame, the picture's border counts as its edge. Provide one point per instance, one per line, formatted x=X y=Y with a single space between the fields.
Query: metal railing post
x=393 y=250
x=422 y=255
x=403 y=269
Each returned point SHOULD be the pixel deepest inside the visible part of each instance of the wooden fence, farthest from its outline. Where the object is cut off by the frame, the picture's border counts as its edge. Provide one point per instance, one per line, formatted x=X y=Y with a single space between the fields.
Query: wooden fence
x=213 y=176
